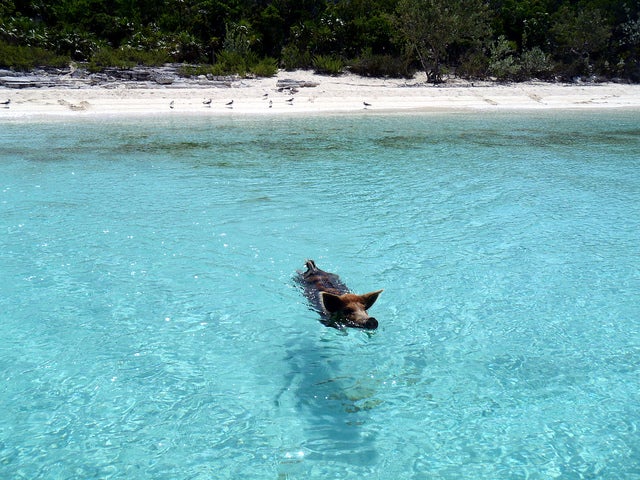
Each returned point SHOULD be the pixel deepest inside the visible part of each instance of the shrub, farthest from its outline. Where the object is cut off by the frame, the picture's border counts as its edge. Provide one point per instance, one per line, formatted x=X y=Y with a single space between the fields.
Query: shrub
x=292 y=58
x=506 y=64
x=230 y=63
x=535 y=63
x=78 y=45
x=195 y=70
x=473 y=65
x=125 y=57
x=369 y=65
x=505 y=68
x=186 y=48
x=327 y=65
x=267 y=67
x=26 y=58
x=503 y=63
x=108 y=57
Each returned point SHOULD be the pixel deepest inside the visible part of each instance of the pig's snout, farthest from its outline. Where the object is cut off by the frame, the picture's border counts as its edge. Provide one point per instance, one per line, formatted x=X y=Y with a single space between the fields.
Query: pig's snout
x=371 y=324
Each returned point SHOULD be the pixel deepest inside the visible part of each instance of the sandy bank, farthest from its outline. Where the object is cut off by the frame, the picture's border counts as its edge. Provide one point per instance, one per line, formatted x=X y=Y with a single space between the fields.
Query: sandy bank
x=308 y=93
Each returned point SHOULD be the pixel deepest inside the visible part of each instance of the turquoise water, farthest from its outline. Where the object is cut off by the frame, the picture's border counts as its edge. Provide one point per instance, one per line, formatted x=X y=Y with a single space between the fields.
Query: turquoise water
x=151 y=328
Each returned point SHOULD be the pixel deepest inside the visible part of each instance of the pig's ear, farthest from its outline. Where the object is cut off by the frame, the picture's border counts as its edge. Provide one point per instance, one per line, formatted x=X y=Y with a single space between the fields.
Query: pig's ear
x=370 y=298
x=332 y=303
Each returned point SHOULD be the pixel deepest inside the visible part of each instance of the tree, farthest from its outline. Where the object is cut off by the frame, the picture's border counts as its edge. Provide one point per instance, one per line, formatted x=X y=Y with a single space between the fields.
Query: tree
x=630 y=43
x=271 y=27
x=580 y=34
x=526 y=22
x=430 y=28
x=367 y=26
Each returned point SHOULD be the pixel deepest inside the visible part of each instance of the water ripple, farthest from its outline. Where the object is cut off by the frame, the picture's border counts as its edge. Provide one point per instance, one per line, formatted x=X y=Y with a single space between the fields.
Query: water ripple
x=151 y=328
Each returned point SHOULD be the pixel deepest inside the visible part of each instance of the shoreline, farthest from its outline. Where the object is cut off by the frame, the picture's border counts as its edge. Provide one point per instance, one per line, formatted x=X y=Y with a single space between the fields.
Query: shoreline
x=303 y=92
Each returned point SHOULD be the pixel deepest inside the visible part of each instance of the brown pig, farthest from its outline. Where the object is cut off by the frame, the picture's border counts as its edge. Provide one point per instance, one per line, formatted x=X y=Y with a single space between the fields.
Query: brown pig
x=332 y=299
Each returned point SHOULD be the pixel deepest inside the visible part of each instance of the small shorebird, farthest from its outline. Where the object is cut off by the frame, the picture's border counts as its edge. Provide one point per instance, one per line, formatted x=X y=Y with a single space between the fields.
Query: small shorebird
x=290 y=100
x=6 y=104
x=265 y=96
x=366 y=104
x=207 y=103
x=228 y=104
x=171 y=104
x=270 y=103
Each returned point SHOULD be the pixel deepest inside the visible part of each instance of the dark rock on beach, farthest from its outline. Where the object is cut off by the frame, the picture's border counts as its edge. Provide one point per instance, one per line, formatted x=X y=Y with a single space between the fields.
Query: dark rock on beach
x=137 y=77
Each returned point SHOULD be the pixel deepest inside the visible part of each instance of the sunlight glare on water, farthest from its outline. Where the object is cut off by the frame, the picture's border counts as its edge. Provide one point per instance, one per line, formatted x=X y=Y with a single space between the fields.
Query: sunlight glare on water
x=151 y=328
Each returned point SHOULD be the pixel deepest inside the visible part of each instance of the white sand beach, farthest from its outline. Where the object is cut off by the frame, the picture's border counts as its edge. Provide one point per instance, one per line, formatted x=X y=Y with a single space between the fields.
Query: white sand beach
x=308 y=93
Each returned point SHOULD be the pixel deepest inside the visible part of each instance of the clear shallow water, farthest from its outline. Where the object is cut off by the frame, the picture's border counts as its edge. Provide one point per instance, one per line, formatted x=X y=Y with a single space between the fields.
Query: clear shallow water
x=151 y=329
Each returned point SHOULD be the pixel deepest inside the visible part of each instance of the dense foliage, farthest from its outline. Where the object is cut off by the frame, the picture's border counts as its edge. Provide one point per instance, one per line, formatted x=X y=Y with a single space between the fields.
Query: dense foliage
x=505 y=39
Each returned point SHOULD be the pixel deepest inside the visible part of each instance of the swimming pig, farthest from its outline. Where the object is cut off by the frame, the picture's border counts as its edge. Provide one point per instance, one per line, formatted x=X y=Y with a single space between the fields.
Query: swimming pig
x=335 y=303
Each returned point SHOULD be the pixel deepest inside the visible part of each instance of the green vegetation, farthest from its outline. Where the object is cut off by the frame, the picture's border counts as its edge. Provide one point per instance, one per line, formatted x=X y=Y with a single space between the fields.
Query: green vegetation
x=126 y=57
x=26 y=58
x=510 y=40
x=328 y=65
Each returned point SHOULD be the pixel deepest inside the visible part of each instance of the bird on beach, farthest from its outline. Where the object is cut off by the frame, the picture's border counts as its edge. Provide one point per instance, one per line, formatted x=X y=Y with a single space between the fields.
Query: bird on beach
x=366 y=104
x=228 y=104
x=171 y=104
x=270 y=103
x=207 y=102
x=265 y=96
x=6 y=104
x=290 y=101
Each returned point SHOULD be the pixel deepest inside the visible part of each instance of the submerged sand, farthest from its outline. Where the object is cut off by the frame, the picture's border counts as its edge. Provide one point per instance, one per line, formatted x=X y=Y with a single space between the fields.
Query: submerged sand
x=305 y=92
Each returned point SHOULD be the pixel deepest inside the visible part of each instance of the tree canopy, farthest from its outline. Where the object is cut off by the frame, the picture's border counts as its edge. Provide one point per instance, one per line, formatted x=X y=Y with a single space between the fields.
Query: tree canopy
x=505 y=39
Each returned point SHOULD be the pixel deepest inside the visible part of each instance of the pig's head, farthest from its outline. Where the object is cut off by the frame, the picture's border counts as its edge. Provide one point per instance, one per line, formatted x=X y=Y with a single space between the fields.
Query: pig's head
x=351 y=309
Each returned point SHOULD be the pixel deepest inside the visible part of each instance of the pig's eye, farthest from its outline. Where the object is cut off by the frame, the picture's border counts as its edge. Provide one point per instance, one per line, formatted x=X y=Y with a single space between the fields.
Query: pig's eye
x=348 y=311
